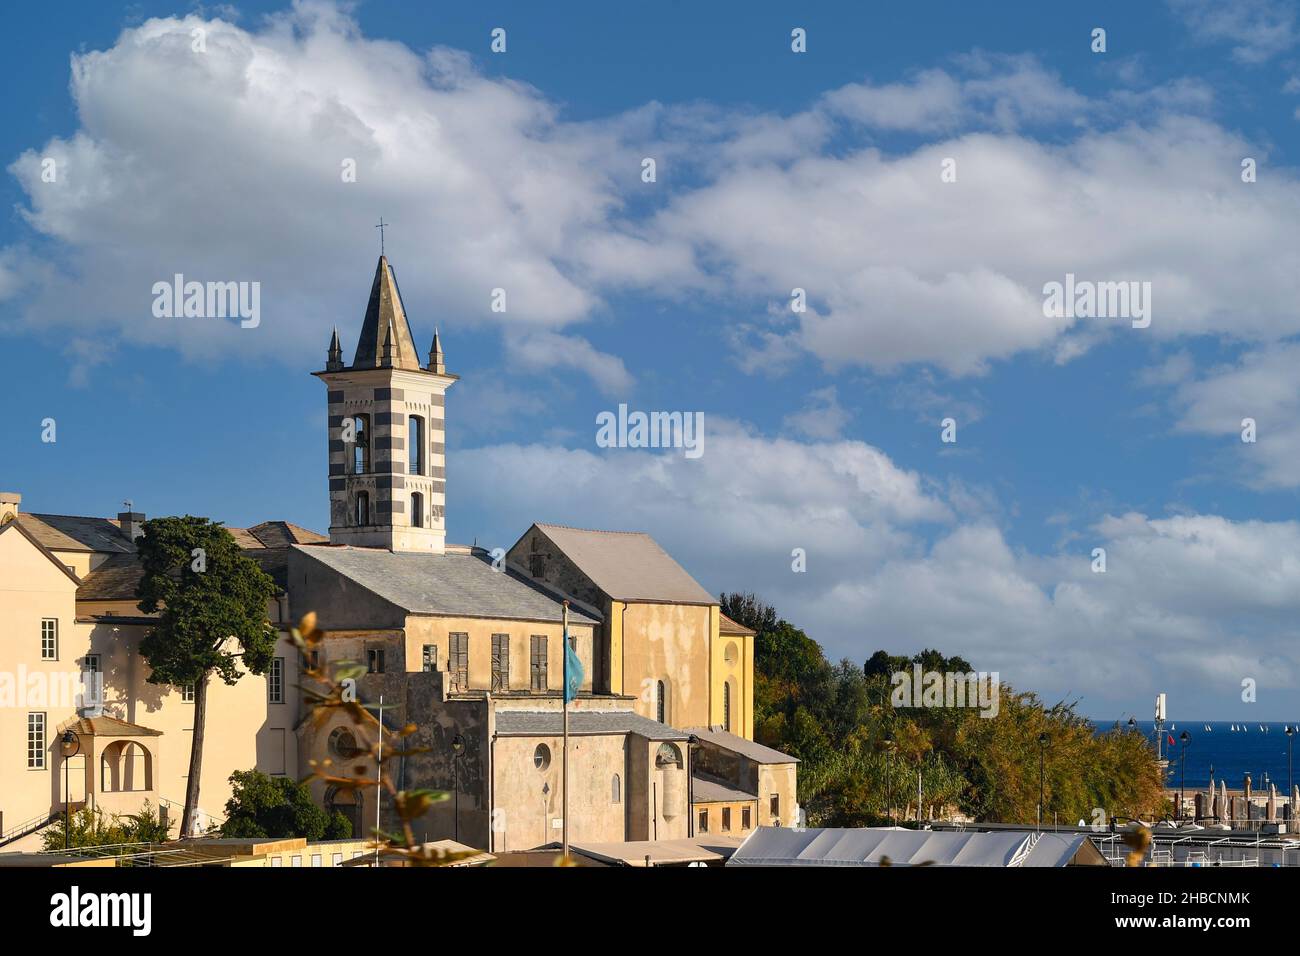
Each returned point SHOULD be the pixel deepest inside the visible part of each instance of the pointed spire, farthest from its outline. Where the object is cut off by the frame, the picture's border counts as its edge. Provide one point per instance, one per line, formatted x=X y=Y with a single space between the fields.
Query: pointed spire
x=385 y=312
x=335 y=360
x=436 y=362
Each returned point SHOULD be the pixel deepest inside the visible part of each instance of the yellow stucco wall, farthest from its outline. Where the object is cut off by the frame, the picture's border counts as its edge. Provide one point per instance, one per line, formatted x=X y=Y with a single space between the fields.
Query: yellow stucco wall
x=668 y=642
x=244 y=730
x=423 y=630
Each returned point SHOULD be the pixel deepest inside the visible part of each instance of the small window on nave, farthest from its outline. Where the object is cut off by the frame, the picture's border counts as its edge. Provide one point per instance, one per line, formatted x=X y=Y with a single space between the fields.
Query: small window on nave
x=417 y=510
x=362 y=515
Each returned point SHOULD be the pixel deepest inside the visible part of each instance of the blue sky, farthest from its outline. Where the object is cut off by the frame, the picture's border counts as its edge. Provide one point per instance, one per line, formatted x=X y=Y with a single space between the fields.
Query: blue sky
x=819 y=170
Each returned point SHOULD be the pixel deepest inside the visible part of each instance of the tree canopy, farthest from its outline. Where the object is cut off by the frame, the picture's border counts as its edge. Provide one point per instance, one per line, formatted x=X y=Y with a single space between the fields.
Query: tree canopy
x=856 y=748
x=265 y=806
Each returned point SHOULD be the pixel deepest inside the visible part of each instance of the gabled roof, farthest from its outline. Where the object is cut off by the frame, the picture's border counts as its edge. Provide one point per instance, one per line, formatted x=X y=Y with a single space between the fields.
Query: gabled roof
x=627 y=565
x=108 y=727
x=746 y=748
x=75 y=533
x=267 y=543
x=281 y=534
x=385 y=320
x=16 y=527
x=456 y=584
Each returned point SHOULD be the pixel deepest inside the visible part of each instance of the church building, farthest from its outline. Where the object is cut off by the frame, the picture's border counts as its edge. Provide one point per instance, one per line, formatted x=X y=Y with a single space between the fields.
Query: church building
x=466 y=646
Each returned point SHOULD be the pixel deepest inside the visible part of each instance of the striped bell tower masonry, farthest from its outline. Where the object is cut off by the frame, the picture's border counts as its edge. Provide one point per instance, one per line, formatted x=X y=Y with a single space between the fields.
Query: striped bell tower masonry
x=387 y=436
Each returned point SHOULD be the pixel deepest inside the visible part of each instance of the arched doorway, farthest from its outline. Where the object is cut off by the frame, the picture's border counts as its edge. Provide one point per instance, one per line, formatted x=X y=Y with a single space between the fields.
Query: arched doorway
x=347 y=802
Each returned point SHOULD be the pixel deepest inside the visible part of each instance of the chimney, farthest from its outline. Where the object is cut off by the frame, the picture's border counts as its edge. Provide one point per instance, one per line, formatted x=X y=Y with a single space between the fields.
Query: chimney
x=132 y=522
x=9 y=502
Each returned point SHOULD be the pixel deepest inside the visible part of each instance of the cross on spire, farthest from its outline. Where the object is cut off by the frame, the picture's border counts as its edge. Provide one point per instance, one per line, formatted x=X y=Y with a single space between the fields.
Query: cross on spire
x=380 y=227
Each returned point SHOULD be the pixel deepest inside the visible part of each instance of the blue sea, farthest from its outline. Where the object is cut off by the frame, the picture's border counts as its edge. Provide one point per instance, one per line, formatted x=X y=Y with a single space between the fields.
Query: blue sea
x=1260 y=752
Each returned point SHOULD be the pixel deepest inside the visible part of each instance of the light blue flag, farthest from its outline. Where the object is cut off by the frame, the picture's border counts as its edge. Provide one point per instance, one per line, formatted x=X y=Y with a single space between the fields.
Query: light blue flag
x=573 y=673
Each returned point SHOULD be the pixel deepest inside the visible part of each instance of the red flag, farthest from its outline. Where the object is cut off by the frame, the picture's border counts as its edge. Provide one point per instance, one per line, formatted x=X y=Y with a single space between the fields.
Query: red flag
x=1171 y=739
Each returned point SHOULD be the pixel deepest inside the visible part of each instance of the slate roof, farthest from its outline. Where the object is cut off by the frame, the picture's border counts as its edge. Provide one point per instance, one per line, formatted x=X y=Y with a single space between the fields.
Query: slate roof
x=457 y=583
x=549 y=723
x=709 y=790
x=627 y=565
x=115 y=579
x=746 y=748
x=385 y=322
x=75 y=533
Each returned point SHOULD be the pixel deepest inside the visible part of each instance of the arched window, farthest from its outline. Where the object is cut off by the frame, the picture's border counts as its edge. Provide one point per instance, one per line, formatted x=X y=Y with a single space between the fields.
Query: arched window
x=661 y=699
x=616 y=790
x=363 y=509
x=360 y=444
x=415 y=445
x=417 y=510
x=726 y=706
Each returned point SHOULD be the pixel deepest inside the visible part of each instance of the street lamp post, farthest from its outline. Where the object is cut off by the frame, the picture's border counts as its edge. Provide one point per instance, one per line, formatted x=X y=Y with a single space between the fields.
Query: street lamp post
x=1042 y=751
x=1185 y=737
x=70 y=746
x=457 y=749
x=889 y=777
x=1290 y=783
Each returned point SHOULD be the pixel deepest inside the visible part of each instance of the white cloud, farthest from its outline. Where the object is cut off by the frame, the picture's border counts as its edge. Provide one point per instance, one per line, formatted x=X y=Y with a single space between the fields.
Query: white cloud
x=234 y=171
x=822 y=417
x=550 y=351
x=901 y=268
x=1190 y=605
x=1260 y=385
x=1257 y=29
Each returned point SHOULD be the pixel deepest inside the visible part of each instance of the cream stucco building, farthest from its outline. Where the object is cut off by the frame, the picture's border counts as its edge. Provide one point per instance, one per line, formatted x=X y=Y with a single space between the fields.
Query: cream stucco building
x=466 y=645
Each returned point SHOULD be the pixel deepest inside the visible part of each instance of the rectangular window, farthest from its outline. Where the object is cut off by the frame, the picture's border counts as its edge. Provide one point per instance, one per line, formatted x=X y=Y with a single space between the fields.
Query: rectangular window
x=336 y=859
x=49 y=639
x=360 y=444
x=746 y=818
x=375 y=660
x=36 y=741
x=537 y=565
x=458 y=661
x=704 y=822
x=537 y=664
x=187 y=693
x=415 y=444
x=726 y=819
x=429 y=658
x=295 y=861
x=500 y=663
x=315 y=859
x=92 y=663
x=775 y=806
x=275 y=682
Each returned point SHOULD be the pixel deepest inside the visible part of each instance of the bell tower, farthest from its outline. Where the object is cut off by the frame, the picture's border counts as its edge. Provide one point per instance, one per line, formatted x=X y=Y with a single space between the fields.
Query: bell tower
x=387 y=451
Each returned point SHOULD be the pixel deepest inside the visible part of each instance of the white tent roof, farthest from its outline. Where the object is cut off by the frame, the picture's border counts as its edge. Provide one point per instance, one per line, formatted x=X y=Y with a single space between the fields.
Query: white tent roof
x=773 y=846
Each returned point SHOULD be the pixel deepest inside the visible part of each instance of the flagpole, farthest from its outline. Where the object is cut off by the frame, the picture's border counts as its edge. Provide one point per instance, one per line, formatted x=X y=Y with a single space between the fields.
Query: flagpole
x=564 y=758
x=379 y=776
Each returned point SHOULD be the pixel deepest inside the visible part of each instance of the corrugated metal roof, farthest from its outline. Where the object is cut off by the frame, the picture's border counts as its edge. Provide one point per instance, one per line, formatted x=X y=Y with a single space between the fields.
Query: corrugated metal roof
x=746 y=748
x=627 y=565
x=456 y=583
x=869 y=846
x=548 y=723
